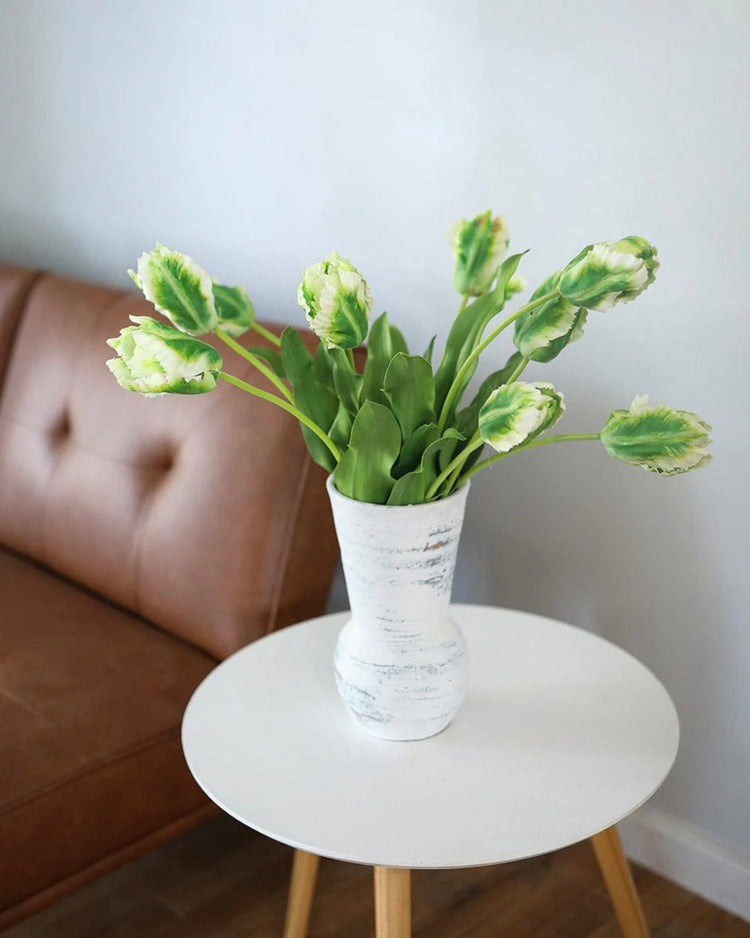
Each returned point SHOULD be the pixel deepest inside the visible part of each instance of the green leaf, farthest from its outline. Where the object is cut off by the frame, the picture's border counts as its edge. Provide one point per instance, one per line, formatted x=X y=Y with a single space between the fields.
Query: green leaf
x=270 y=357
x=413 y=448
x=428 y=351
x=322 y=367
x=409 y=387
x=383 y=343
x=364 y=472
x=313 y=398
x=451 y=441
x=411 y=488
x=341 y=428
x=347 y=383
x=467 y=330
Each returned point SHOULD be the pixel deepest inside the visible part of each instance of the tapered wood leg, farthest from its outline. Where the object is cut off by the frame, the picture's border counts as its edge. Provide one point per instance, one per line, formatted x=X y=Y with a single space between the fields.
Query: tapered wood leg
x=301 y=891
x=392 y=902
x=617 y=876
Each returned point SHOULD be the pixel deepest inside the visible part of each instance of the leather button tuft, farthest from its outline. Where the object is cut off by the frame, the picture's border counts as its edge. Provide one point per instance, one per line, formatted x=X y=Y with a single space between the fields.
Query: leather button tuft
x=164 y=461
x=61 y=429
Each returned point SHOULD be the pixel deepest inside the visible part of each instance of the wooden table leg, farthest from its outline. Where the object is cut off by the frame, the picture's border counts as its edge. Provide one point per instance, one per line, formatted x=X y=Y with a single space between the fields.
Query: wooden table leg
x=392 y=902
x=301 y=890
x=617 y=876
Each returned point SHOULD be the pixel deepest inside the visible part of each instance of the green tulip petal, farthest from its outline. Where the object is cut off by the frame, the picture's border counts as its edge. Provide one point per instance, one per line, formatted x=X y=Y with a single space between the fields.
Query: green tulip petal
x=179 y=288
x=657 y=438
x=336 y=301
x=479 y=247
x=155 y=359
x=609 y=272
x=234 y=309
x=516 y=413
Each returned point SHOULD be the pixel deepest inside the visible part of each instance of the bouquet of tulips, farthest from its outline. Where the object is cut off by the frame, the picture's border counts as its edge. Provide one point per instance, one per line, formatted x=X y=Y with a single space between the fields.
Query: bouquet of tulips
x=400 y=431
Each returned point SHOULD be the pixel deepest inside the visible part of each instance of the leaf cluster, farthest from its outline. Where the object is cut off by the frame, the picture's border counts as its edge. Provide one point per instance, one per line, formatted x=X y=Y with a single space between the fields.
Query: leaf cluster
x=386 y=420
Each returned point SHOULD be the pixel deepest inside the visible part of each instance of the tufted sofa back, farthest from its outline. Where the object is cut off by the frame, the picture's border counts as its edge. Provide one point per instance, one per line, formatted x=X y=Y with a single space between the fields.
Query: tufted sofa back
x=203 y=513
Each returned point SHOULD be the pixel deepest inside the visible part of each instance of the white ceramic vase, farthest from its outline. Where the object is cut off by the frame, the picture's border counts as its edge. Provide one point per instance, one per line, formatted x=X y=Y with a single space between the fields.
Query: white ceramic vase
x=400 y=661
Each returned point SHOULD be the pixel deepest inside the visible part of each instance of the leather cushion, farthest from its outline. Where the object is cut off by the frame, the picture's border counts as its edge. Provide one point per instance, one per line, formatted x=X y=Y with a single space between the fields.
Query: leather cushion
x=15 y=283
x=181 y=509
x=91 y=702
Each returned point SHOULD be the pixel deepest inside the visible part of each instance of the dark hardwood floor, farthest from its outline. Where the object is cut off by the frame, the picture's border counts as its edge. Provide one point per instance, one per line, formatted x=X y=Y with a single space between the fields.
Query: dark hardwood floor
x=225 y=881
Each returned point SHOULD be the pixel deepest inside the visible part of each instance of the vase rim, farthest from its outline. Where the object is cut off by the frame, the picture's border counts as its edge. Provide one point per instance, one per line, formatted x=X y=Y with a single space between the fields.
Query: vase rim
x=459 y=493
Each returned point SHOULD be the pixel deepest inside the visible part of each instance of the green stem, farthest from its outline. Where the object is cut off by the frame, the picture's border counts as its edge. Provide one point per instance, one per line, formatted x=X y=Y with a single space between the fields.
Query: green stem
x=256 y=362
x=448 y=487
x=519 y=371
x=474 y=443
x=350 y=358
x=289 y=408
x=267 y=334
x=458 y=381
x=542 y=441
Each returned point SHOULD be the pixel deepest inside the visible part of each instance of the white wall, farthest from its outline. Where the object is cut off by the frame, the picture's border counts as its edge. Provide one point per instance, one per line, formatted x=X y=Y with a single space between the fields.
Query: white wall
x=257 y=136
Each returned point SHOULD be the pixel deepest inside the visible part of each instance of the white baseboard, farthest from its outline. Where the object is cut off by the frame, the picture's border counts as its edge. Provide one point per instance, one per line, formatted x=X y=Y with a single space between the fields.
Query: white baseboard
x=690 y=857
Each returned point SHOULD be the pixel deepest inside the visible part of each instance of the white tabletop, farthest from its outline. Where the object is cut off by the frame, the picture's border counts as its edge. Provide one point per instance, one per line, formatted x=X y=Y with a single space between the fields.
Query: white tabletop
x=561 y=735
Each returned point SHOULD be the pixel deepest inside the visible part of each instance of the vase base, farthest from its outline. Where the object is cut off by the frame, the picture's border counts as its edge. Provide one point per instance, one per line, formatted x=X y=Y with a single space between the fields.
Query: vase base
x=401 y=734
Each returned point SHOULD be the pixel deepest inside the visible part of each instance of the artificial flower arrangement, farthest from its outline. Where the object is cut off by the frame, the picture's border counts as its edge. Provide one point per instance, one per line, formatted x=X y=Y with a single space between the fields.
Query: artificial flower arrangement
x=400 y=432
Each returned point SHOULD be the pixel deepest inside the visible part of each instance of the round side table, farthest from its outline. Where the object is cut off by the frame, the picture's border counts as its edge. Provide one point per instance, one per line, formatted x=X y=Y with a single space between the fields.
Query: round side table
x=561 y=735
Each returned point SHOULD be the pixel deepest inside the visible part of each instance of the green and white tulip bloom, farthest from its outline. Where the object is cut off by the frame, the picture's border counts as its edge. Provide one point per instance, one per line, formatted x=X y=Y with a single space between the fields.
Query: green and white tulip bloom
x=657 y=438
x=234 y=309
x=336 y=301
x=542 y=333
x=479 y=246
x=516 y=413
x=608 y=273
x=155 y=359
x=179 y=288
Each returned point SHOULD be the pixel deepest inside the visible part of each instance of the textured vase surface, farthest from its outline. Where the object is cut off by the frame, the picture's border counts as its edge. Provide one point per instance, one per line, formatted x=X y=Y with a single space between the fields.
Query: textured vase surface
x=401 y=662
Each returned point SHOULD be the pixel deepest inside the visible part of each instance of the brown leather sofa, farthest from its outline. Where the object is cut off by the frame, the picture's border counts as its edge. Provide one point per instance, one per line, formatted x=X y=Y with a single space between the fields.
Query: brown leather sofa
x=141 y=540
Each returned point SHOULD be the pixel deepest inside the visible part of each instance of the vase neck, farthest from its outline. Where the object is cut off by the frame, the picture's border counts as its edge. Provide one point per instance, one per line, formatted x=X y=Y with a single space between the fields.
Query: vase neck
x=399 y=562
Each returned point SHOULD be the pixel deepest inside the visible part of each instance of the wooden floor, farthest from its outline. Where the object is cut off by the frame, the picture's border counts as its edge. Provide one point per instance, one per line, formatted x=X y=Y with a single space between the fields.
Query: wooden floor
x=225 y=881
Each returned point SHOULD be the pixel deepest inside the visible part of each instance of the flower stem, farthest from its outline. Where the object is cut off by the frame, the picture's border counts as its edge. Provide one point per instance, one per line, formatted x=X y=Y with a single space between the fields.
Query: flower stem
x=519 y=371
x=289 y=408
x=256 y=362
x=474 y=443
x=474 y=355
x=542 y=441
x=448 y=486
x=267 y=334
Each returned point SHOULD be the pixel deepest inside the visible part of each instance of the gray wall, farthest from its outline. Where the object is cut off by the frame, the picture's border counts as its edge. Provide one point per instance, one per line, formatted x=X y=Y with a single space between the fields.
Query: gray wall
x=258 y=136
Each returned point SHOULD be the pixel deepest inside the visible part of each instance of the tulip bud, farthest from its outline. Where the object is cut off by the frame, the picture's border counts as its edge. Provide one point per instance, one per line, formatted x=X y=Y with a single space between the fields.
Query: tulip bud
x=543 y=332
x=178 y=288
x=336 y=301
x=657 y=438
x=234 y=309
x=609 y=273
x=156 y=359
x=479 y=246
x=516 y=284
x=516 y=413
